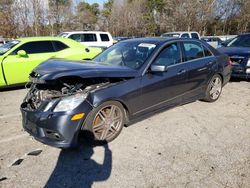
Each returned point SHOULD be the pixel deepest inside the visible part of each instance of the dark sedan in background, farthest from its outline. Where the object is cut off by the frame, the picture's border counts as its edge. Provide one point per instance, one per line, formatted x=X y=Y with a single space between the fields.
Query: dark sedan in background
x=238 y=49
x=128 y=80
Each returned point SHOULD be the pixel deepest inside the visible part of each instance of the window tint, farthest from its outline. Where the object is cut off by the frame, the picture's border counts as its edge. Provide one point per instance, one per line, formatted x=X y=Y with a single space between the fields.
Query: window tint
x=36 y=47
x=59 y=46
x=76 y=37
x=89 y=37
x=192 y=50
x=207 y=52
x=185 y=35
x=169 y=56
x=195 y=35
x=104 y=37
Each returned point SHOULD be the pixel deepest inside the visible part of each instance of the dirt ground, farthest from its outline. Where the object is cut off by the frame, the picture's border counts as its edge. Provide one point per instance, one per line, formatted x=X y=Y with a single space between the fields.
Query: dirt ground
x=195 y=145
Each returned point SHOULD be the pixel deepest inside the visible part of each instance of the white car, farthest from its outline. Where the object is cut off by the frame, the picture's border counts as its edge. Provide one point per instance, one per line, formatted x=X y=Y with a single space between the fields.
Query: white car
x=182 y=34
x=90 y=38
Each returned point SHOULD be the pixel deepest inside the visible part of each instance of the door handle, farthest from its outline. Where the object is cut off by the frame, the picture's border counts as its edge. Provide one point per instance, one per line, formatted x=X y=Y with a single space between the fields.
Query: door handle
x=210 y=63
x=181 y=72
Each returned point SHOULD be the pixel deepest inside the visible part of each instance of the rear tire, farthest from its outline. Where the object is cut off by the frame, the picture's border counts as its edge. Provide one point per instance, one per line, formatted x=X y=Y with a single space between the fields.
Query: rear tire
x=105 y=122
x=214 y=89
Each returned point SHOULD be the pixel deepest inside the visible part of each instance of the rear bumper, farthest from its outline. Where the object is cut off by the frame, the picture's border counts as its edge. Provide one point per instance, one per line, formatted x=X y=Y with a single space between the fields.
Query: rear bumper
x=54 y=129
x=240 y=72
x=241 y=75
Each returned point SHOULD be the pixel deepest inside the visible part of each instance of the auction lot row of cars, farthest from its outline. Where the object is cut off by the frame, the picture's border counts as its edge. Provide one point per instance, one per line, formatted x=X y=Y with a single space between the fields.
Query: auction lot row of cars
x=123 y=83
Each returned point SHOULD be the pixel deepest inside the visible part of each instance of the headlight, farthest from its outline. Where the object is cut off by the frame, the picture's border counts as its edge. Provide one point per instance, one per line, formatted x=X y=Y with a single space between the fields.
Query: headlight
x=49 y=105
x=248 y=62
x=69 y=103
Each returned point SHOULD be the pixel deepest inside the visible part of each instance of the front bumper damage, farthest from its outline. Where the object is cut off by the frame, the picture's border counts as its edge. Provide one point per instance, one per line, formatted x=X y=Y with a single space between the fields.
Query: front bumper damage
x=55 y=128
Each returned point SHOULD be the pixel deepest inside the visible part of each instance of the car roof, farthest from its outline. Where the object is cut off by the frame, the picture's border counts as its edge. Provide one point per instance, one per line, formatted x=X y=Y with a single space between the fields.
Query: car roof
x=40 y=38
x=204 y=37
x=180 y=32
x=245 y=34
x=158 y=40
x=67 y=41
x=85 y=32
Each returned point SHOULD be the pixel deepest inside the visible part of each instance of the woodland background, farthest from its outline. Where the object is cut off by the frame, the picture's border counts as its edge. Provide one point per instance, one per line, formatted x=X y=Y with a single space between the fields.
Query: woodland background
x=19 y=18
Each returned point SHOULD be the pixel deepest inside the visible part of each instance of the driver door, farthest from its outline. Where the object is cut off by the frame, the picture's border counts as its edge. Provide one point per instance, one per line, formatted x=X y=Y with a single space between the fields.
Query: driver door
x=17 y=68
x=164 y=88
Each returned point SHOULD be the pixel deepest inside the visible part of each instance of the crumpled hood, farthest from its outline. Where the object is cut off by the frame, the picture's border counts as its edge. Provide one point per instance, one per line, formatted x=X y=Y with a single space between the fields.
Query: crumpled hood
x=235 y=51
x=57 y=68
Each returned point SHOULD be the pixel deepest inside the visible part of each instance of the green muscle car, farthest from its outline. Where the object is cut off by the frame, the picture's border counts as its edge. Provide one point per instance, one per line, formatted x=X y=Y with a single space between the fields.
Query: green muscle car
x=19 y=57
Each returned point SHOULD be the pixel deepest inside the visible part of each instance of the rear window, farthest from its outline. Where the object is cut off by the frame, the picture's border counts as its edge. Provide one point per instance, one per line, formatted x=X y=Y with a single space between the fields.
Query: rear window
x=185 y=35
x=195 y=35
x=59 y=46
x=240 y=41
x=104 y=37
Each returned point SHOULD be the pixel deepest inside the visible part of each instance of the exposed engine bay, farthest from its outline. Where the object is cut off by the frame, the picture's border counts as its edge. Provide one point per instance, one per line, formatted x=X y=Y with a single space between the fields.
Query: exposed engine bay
x=63 y=87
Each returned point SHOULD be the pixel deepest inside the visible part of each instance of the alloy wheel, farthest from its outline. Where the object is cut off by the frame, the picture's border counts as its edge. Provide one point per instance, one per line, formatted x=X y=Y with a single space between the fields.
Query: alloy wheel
x=216 y=87
x=107 y=122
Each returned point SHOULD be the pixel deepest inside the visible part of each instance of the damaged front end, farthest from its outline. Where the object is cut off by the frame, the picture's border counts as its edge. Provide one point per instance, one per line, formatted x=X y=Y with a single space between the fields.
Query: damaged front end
x=45 y=93
x=54 y=111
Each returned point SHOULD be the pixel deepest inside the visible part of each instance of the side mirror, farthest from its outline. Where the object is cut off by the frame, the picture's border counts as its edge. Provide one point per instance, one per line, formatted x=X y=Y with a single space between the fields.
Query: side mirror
x=158 y=68
x=22 y=53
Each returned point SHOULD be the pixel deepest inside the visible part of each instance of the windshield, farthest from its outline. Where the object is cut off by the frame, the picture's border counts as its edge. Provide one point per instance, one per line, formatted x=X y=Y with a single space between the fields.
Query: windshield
x=62 y=35
x=240 y=41
x=130 y=53
x=6 y=47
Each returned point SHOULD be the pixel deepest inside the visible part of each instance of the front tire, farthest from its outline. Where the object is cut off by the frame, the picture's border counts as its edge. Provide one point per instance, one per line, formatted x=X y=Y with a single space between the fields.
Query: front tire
x=105 y=122
x=214 y=89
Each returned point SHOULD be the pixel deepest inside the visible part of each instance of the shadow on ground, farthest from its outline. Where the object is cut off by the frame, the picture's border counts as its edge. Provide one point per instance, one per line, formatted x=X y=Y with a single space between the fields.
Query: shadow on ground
x=238 y=80
x=11 y=88
x=75 y=168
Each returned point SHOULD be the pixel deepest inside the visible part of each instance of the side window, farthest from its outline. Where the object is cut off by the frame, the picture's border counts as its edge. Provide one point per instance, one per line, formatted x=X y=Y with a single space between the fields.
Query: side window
x=192 y=51
x=169 y=56
x=76 y=37
x=59 y=46
x=185 y=35
x=89 y=37
x=207 y=52
x=104 y=37
x=36 y=47
x=194 y=35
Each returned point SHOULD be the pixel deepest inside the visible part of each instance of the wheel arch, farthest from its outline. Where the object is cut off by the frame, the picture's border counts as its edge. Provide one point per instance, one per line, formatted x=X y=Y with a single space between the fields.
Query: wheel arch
x=123 y=103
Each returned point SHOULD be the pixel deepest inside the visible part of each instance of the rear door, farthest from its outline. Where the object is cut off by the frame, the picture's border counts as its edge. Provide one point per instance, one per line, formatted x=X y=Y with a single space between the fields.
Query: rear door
x=160 y=89
x=17 y=69
x=199 y=61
